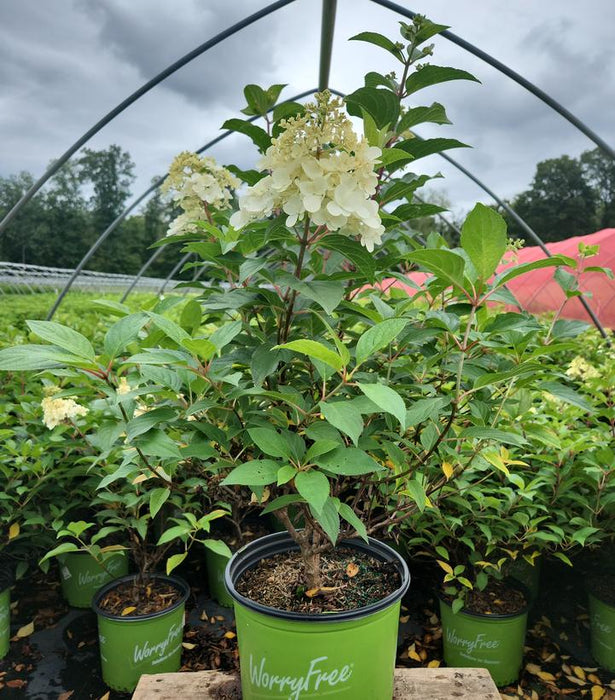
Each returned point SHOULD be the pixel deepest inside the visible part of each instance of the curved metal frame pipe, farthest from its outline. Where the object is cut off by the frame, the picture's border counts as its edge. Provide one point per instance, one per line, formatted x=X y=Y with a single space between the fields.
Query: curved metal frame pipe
x=57 y=164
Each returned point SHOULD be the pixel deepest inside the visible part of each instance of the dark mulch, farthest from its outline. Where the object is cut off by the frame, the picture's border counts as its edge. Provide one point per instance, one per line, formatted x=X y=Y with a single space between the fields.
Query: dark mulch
x=130 y=599
x=350 y=580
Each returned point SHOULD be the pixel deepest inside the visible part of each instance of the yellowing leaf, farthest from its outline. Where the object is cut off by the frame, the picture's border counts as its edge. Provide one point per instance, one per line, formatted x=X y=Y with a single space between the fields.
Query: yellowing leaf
x=188 y=645
x=140 y=478
x=311 y=592
x=352 y=570
x=105 y=696
x=412 y=653
x=26 y=630
x=404 y=618
x=13 y=531
x=448 y=470
x=546 y=676
x=597 y=692
x=128 y=610
x=579 y=672
x=230 y=635
x=447 y=567
x=434 y=663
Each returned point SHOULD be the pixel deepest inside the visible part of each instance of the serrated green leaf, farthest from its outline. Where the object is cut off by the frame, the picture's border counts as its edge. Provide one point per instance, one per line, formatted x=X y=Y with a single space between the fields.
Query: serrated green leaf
x=429 y=75
x=314 y=350
x=343 y=416
x=258 y=472
x=483 y=237
x=157 y=499
x=387 y=400
x=348 y=461
x=64 y=337
x=378 y=337
x=314 y=487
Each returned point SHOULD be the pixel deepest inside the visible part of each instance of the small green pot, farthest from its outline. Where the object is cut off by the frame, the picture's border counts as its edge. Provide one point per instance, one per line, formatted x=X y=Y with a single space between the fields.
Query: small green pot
x=132 y=646
x=5 y=621
x=82 y=575
x=494 y=642
x=345 y=655
x=602 y=622
x=216 y=564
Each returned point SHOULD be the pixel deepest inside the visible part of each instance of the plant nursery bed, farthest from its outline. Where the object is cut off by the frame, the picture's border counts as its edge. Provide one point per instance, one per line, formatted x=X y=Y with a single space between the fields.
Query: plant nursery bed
x=56 y=656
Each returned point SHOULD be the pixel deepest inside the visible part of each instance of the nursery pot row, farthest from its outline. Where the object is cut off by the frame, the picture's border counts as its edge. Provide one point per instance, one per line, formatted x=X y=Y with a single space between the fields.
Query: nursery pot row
x=5 y=621
x=345 y=655
x=602 y=620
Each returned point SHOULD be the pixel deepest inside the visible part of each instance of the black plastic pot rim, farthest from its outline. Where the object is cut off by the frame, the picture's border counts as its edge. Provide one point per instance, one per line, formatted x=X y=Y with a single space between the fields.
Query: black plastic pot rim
x=493 y=616
x=175 y=581
x=279 y=542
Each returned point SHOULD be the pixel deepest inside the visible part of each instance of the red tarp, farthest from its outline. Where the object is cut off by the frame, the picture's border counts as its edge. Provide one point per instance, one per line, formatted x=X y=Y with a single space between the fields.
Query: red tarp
x=538 y=292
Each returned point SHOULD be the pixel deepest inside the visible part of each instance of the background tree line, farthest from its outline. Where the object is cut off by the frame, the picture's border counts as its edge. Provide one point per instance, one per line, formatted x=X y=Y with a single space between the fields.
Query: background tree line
x=567 y=197
x=60 y=224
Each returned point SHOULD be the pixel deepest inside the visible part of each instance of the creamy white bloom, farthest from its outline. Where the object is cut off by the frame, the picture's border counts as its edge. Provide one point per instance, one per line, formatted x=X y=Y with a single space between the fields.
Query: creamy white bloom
x=198 y=183
x=580 y=368
x=123 y=387
x=319 y=168
x=57 y=410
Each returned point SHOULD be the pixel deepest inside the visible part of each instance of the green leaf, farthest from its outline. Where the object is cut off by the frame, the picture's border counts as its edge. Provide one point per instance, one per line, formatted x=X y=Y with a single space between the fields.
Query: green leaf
x=509 y=274
x=328 y=519
x=60 y=549
x=348 y=461
x=353 y=251
x=378 y=337
x=351 y=518
x=314 y=350
x=435 y=114
x=202 y=348
x=190 y=318
x=285 y=444
x=173 y=533
x=218 y=547
x=483 y=237
x=425 y=409
x=157 y=498
x=285 y=474
x=344 y=417
x=174 y=561
x=123 y=332
x=32 y=357
x=260 y=137
x=265 y=361
x=314 y=487
x=420 y=148
x=379 y=40
x=258 y=472
x=485 y=433
x=141 y=424
x=387 y=400
x=320 y=447
x=169 y=328
x=567 y=394
x=63 y=337
x=432 y=75
x=282 y=502
x=444 y=264
x=257 y=99
x=416 y=491
x=418 y=210
x=156 y=443
x=381 y=104
x=223 y=335
x=326 y=293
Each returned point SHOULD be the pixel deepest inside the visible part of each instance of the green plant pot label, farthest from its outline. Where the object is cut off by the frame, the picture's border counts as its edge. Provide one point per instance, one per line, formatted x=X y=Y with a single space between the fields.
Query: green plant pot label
x=216 y=564
x=132 y=646
x=494 y=642
x=301 y=660
x=602 y=621
x=5 y=621
x=82 y=575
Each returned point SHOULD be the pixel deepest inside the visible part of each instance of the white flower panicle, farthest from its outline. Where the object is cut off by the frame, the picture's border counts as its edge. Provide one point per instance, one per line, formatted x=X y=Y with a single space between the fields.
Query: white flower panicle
x=123 y=387
x=580 y=368
x=319 y=168
x=57 y=410
x=197 y=182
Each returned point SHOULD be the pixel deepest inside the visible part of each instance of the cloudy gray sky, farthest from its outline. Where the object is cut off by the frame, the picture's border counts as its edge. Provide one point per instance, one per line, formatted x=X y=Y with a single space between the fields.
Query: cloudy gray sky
x=65 y=63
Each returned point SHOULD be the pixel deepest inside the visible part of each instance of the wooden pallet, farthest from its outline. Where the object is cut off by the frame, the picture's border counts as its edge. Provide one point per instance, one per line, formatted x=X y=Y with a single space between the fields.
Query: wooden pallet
x=410 y=684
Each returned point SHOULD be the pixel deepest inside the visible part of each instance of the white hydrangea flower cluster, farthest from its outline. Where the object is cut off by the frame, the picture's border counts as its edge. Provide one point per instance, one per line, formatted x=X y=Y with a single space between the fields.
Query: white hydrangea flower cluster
x=318 y=167
x=57 y=410
x=123 y=387
x=580 y=368
x=197 y=182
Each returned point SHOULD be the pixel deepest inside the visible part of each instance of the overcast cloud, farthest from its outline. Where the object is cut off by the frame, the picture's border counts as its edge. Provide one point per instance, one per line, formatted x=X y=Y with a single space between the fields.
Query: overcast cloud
x=65 y=63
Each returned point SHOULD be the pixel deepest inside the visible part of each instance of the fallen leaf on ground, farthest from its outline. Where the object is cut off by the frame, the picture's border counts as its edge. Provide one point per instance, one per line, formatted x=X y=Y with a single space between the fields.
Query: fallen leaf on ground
x=128 y=610
x=25 y=631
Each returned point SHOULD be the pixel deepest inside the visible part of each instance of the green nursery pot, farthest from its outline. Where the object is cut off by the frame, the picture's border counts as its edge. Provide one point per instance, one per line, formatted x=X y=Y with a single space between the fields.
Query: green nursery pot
x=602 y=622
x=216 y=564
x=474 y=640
x=82 y=575
x=5 y=621
x=345 y=655
x=132 y=646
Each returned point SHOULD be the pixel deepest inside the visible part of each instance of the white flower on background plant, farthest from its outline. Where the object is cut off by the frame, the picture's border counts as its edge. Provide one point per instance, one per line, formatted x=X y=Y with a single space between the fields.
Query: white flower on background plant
x=57 y=410
x=580 y=368
x=318 y=167
x=198 y=183
x=123 y=387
